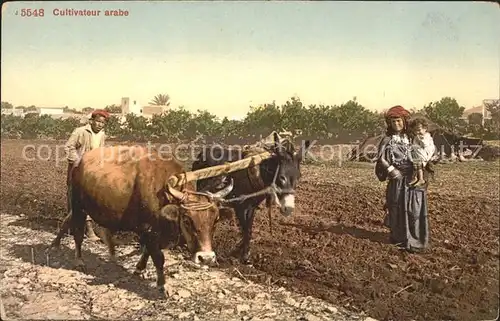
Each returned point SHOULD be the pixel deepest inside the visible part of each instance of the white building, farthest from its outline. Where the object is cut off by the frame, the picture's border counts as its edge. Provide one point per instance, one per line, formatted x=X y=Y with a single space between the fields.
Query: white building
x=480 y=110
x=134 y=107
x=50 y=110
x=131 y=107
x=13 y=111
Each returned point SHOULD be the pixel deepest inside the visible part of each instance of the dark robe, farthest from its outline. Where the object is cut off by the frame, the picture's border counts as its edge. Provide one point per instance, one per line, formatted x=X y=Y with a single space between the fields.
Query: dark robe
x=407 y=206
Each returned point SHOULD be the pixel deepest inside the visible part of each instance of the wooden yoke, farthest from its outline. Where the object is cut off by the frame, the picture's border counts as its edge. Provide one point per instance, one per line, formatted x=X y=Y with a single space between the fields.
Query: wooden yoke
x=213 y=171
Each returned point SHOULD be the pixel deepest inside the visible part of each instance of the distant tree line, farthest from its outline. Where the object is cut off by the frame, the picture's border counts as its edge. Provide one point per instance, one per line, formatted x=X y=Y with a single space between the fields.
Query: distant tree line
x=343 y=123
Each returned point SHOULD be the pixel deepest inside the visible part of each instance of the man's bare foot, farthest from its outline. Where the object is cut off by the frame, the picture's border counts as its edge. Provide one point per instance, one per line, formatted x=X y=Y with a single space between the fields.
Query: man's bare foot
x=413 y=181
x=91 y=236
x=89 y=231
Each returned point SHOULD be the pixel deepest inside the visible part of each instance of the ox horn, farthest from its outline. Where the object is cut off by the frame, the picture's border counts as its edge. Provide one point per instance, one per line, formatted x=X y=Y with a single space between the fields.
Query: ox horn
x=175 y=193
x=225 y=191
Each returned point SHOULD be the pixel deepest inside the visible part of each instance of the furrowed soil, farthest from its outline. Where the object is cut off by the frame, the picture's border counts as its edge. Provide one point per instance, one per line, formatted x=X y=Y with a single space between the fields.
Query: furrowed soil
x=334 y=247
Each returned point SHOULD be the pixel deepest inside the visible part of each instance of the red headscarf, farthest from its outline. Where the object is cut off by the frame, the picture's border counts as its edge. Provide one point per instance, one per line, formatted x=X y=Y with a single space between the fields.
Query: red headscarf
x=397 y=112
x=100 y=112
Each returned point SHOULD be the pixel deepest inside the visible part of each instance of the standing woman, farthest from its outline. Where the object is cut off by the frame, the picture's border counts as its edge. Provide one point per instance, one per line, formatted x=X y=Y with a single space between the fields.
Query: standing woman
x=406 y=205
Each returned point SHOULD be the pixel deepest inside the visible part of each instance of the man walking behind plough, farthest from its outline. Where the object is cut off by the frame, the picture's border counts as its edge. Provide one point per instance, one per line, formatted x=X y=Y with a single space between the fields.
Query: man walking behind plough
x=82 y=140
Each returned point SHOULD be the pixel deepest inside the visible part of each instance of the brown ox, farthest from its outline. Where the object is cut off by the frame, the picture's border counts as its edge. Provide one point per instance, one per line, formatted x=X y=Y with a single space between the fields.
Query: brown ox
x=123 y=188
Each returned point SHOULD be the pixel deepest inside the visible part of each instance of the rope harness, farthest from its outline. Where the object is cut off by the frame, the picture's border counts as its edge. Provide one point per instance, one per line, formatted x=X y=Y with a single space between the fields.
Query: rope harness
x=192 y=206
x=196 y=206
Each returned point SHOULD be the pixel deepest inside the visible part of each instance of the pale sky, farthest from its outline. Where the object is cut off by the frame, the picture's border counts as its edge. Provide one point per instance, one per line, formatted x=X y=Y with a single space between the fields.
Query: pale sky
x=225 y=56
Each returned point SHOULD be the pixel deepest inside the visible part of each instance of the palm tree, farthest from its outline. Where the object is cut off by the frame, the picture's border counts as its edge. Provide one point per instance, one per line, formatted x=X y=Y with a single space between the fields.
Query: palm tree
x=161 y=100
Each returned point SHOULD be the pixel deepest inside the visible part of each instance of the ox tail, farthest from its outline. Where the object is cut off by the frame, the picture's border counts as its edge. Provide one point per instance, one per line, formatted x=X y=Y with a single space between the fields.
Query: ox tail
x=76 y=203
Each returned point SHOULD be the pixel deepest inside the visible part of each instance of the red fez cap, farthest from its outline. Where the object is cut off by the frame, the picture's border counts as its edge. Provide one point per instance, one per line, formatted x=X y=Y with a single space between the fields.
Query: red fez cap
x=100 y=112
x=396 y=112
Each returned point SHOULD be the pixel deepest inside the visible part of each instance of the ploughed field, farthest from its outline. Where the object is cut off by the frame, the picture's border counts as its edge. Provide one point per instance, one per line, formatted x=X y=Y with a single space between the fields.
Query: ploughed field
x=335 y=247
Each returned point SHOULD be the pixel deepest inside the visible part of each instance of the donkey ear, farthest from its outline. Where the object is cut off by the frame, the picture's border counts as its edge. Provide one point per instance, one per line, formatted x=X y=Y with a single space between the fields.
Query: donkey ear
x=278 y=146
x=276 y=138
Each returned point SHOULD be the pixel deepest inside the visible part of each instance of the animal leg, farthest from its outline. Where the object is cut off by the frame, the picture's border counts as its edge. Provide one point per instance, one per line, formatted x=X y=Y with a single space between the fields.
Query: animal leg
x=240 y=214
x=110 y=243
x=64 y=228
x=143 y=261
x=78 y=226
x=247 y=235
x=151 y=241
